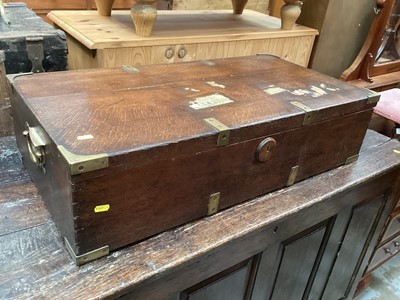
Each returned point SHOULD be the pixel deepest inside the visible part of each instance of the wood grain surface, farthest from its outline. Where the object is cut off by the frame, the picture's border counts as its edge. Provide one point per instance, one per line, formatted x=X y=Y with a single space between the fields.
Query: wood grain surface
x=155 y=135
x=97 y=32
x=36 y=264
x=150 y=108
x=257 y=5
x=153 y=189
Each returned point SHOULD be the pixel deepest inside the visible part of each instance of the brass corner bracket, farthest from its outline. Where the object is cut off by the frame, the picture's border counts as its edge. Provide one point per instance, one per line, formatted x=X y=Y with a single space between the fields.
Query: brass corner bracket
x=213 y=204
x=87 y=257
x=130 y=69
x=308 y=111
x=79 y=164
x=224 y=131
x=351 y=159
x=373 y=97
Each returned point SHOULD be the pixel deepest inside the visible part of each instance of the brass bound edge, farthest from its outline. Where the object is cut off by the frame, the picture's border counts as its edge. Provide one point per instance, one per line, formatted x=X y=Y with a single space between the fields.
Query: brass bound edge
x=79 y=164
x=11 y=77
x=351 y=159
x=292 y=175
x=213 y=204
x=130 y=69
x=373 y=97
x=224 y=131
x=87 y=257
x=308 y=111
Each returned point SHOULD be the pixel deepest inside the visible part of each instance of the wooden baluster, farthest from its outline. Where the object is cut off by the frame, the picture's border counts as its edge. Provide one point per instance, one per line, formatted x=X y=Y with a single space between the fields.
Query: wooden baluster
x=104 y=7
x=144 y=15
x=238 y=6
x=290 y=12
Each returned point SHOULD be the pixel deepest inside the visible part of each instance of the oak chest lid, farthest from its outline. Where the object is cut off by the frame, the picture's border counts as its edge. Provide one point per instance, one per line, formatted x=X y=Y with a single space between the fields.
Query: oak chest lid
x=152 y=113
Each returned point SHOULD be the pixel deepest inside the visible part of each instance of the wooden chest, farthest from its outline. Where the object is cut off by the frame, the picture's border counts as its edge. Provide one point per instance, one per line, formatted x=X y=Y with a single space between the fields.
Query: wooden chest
x=122 y=154
x=178 y=36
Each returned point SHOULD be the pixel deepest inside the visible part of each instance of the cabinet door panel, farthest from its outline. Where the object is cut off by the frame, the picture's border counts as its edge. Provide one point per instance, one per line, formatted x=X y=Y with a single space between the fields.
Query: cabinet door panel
x=232 y=284
x=231 y=287
x=355 y=242
x=297 y=262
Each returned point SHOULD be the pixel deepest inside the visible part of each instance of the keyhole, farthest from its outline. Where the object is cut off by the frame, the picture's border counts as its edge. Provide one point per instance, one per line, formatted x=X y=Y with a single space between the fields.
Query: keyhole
x=265 y=149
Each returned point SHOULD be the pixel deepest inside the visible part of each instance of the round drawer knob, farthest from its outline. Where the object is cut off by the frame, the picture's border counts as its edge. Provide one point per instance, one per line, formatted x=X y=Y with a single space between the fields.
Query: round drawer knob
x=265 y=149
x=169 y=53
x=182 y=52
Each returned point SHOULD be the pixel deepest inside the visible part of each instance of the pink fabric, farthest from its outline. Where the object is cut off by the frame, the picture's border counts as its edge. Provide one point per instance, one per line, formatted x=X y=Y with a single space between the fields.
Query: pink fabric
x=389 y=105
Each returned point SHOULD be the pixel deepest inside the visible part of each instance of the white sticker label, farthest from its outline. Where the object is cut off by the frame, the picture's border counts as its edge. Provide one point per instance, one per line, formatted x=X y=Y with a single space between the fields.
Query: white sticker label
x=209 y=101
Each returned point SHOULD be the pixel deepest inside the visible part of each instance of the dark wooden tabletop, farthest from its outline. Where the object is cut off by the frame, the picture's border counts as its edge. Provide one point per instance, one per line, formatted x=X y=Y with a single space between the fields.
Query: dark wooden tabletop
x=35 y=264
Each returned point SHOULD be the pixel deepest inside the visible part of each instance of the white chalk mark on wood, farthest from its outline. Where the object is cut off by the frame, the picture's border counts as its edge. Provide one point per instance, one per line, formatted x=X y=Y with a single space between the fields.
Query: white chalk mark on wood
x=214 y=84
x=85 y=137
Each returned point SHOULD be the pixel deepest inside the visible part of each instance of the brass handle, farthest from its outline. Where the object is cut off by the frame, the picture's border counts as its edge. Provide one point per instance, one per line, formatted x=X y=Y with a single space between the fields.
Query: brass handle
x=169 y=53
x=265 y=149
x=388 y=251
x=35 y=145
x=182 y=52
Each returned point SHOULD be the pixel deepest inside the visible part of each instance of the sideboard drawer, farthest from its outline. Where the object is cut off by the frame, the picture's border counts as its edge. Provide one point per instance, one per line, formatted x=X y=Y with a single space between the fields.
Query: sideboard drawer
x=393 y=227
x=384 y=253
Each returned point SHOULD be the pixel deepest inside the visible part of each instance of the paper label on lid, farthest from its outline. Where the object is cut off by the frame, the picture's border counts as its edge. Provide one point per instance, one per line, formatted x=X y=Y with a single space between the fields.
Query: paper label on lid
x=209 y=101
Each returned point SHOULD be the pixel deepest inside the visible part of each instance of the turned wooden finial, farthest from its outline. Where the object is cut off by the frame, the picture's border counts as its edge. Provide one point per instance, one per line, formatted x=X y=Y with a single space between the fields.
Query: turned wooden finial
x=104 y=7
x=290 y=12
x=144 y=15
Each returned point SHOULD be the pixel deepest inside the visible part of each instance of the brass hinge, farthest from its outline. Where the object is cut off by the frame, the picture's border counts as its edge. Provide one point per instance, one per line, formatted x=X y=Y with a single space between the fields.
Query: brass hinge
x=213 y=204
x=292 y=175
x=79 y=164
x=308 y=111
x=11 y=77
x=35 y=51
x=130 y=69
x=224 y=131
x=87 y=257
x=351 y=159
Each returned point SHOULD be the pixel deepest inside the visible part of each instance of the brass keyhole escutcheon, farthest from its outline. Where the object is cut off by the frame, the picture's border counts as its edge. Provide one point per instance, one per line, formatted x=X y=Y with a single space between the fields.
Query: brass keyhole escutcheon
x=265 y=149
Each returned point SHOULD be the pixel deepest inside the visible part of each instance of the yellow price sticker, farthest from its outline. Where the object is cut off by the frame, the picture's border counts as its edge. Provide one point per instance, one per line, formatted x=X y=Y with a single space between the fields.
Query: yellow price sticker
x=102 y=208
